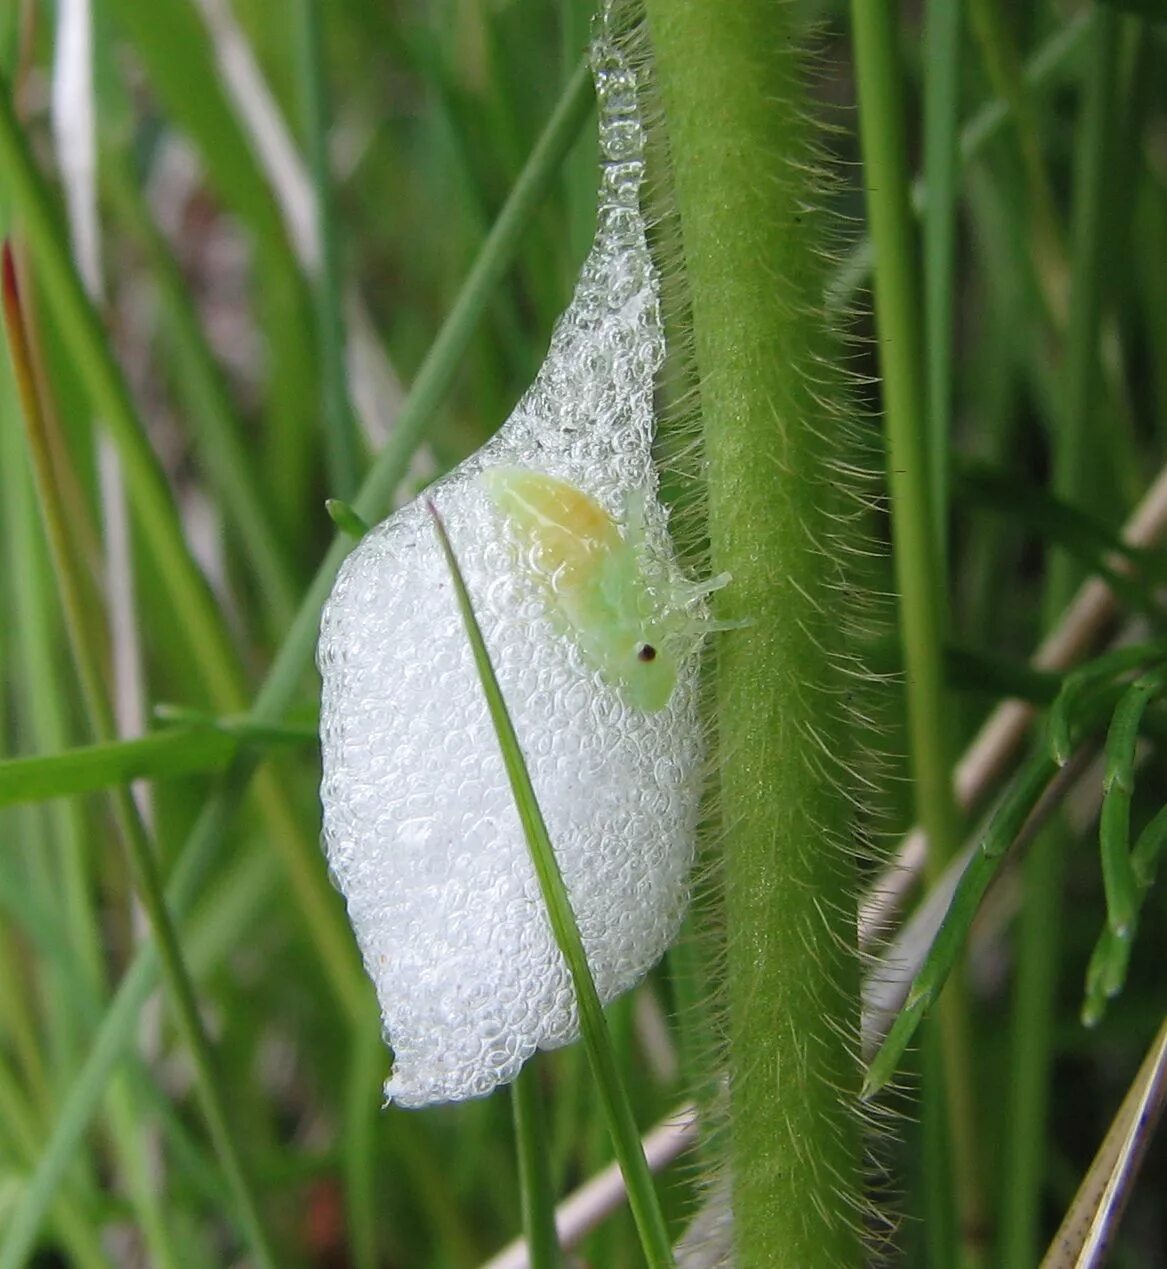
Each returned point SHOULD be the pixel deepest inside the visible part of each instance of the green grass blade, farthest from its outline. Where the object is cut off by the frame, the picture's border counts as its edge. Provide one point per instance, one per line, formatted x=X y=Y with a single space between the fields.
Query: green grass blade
x=920 y=570
x=1105 y=974
x=218 y=432
x=990 y=22
x=490 y=266
x=116 y=1029
x=19 y=1137
x=1149 y=849
x=200 y=622
x=362 y=1109
x=1114 y=848
x=55 y=899
x=942 y=50
x=1123 y=735
x=534 y=1170
x=642 y=1197
x=984 y=127
x=1049 y=60
x=1071 y=527
x=99 y=766
x=174 y=47
x=294 y=658
x=1078 y=448
x=976 y=671
x=1006 y=824
x=140 y=850
x=44 y=715
x=345 y=518
x=1080 y=452
x=1118 y=874
x=1081 y=686
x=82 y=333
x=158 y=756
x=1002 y=830
x=1107 y=968
x=342 y=443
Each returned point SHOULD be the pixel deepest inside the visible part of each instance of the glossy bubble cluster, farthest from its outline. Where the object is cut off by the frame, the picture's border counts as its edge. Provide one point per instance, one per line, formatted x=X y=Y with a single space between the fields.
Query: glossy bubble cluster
x=420 y=828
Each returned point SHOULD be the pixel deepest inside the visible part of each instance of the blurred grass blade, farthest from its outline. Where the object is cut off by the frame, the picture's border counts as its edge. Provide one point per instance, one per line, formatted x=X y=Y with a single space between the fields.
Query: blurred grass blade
x=115 y=1032
x=497 y=254
x=1118 y=784
x=157 y=756
x=941 y=102
x=198 y=618
x=219 y=435
x=140 y=851
x=1130 y=572
x=1149 y=848
x=994 y=33
x=985 y=126
x=974 y=670
x=180 y=62
x=1087 y=1231
x=283 y=681
x=254 y=115
x=84 y=338
x=593 y=1028
x=345 y=518
x=1082 y=686
x=1078 y=454
x=362 y=1106
x=342 y=445
x=73 y=1224
x=534 y=1170
x=1029 y=799
x=262 y=121
x=1004 y=826
x=920 y=569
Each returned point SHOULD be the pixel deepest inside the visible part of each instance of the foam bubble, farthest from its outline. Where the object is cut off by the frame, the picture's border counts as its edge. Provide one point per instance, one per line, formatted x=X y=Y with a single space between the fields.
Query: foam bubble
x=420 y=828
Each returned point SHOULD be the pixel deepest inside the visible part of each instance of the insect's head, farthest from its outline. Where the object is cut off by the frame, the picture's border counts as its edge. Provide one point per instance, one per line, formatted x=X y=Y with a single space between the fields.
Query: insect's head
x=647 y=669
x=661 y=622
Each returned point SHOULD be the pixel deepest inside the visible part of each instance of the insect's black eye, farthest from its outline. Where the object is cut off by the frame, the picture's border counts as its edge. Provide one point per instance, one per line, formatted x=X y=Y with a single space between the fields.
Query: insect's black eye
x=646 y=652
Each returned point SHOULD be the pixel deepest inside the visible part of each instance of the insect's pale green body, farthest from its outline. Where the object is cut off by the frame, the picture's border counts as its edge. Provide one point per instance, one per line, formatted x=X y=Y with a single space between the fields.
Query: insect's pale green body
x=630 y=612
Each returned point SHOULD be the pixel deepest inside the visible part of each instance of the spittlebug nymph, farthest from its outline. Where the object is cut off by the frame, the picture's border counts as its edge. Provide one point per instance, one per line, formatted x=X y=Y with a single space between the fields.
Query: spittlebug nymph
x=632 y=615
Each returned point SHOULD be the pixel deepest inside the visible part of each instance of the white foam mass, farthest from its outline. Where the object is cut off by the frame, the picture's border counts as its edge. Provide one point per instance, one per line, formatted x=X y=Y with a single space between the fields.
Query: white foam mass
x=420 y=827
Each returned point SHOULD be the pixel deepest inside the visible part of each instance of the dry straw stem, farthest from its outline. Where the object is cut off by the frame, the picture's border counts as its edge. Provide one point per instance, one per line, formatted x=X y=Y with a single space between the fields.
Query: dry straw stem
x=580 y=1213
x=1087 y=1230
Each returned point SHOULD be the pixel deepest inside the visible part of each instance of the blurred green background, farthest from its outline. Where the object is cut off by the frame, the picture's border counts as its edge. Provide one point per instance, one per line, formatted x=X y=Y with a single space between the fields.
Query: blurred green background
x=229 y=308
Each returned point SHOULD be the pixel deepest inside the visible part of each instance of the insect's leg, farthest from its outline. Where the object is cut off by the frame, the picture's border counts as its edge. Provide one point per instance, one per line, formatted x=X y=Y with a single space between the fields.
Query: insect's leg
x=712 y=626
x=701 y=590
x=708 y=586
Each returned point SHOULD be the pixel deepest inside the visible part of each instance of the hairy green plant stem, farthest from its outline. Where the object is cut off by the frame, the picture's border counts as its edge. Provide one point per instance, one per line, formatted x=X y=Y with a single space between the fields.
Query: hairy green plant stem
x=746 y=189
